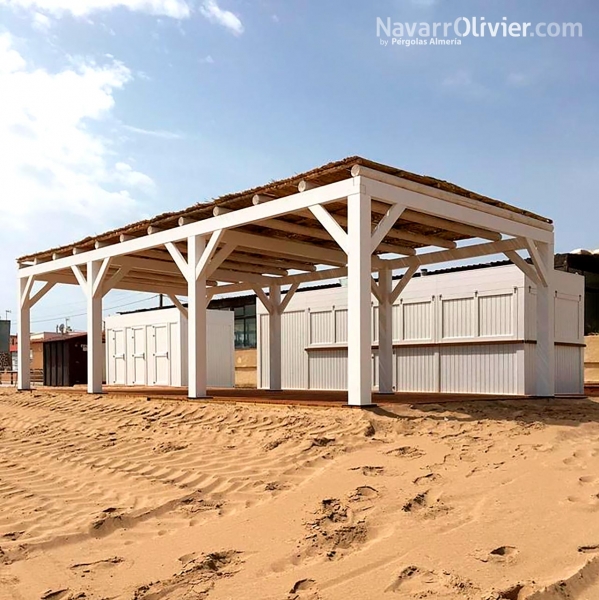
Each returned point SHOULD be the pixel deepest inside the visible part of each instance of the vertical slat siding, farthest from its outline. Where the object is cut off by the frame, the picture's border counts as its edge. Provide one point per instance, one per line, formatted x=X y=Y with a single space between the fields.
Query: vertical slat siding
x=567 y=326
x=496 y=315
x=569 y=369
x=489 y=305
x=321 y=327
x=417 y=321
x=415 y=369
x=341 y=326
x=263 y=341
x=294 y=340
x=328 y=369
x=457 y=318
x=478 y=369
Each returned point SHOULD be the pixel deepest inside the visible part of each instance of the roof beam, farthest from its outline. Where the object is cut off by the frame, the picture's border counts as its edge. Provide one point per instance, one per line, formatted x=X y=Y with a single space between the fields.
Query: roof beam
x=457 y=199
x=503 y=223
x=330 y=193
x=439 y=223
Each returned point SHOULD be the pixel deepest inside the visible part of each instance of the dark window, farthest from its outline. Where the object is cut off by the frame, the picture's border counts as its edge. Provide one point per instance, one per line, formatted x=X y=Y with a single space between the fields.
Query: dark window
x=245 y=326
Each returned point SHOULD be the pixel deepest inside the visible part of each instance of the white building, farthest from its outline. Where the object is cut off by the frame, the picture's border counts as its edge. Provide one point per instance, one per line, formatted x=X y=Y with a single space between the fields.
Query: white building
x=463 y=331
x=149 y=348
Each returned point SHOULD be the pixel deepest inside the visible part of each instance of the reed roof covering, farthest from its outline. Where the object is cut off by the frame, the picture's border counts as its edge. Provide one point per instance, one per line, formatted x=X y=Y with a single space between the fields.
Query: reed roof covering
x=326 y=174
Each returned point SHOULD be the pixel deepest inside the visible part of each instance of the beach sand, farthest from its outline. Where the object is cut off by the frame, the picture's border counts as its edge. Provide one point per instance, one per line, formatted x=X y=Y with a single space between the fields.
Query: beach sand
x=123 y=497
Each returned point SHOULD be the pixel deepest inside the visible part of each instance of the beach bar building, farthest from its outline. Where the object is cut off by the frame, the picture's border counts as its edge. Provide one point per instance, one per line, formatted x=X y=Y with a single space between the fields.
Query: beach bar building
x=352 y=218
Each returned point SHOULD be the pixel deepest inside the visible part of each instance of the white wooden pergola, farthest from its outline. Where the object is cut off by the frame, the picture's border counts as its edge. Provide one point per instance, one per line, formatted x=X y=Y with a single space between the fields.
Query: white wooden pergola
x=348 y=219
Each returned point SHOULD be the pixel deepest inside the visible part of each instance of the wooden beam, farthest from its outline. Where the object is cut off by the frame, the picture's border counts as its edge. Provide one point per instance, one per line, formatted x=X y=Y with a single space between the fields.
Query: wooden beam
x=440 y=223
x=82 y=280
x=219 y=258
x=328 y=222
x=433 y=192
x=374 y=288
x=473 y=251
x=202 y=266
x=537 y=261
x=526 y=268
x=288 y=296
x=400 y=286
x=173 y=298
x=385 y=224
x=264 y=299
x=181 y=263
x=46 y=287
x=115 y=278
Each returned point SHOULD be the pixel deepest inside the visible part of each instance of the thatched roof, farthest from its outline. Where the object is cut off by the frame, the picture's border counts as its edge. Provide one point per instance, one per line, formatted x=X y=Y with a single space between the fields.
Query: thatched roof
x=329 y=173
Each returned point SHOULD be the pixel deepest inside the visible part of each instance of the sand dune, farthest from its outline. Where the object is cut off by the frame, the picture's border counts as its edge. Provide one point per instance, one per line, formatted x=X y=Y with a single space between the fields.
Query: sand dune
x=112 y=497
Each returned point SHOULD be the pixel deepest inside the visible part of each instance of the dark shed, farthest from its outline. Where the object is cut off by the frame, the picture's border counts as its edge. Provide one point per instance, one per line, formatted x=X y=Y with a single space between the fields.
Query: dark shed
x=65 y=360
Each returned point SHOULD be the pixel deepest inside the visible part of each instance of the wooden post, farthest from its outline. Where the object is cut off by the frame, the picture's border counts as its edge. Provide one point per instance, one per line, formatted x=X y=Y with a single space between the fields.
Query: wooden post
x=359 y=359
x=24 y=337
x=274 y=334
x=385 y=332
x=95 y=356
x=196 y=323
x=546 y=326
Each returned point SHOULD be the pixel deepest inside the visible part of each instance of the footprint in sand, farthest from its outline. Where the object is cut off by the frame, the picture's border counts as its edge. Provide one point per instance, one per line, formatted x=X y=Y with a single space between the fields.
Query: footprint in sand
x=415 y=582
x=304 y=589
x=369 y=471
x=503 y=553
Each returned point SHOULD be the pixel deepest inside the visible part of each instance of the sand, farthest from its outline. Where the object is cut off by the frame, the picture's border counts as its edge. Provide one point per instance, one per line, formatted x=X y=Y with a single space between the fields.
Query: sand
x=121 y=497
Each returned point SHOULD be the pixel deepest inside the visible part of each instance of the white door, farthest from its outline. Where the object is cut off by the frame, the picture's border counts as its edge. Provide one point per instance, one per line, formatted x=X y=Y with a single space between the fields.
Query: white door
x=118 y=365
x=161 y=358
x=137 y=363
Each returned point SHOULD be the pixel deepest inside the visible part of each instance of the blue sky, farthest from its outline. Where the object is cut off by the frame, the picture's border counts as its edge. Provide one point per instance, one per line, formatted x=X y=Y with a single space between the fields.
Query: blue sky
x=114 y=110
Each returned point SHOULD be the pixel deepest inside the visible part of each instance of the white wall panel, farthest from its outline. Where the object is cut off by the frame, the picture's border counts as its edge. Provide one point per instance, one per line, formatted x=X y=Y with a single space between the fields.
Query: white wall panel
x=479 y=369
x=567 y=318
x=328 y=369
x=496 y=315
x=341 y=326
x=294 y=340
x=321 y=327
x=263 y=350
x=417 y=320
x=457 y=318
x=569 y=370
x=416 y=369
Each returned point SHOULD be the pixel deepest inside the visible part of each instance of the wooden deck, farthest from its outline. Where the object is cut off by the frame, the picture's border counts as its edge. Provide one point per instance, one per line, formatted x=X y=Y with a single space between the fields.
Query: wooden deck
x=324 y=398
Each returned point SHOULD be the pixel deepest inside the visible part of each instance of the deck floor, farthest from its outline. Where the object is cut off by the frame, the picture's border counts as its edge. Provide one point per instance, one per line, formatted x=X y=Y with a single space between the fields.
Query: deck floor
x=285 y=397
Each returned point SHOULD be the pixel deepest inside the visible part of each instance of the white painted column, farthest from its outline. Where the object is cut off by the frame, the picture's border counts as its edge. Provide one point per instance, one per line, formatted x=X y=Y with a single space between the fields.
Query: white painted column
x=196 y=322
x=385 y=332
x=24 y=338
x=546 y=327
x=95 y=356
x=274 y=337
x=359 y=359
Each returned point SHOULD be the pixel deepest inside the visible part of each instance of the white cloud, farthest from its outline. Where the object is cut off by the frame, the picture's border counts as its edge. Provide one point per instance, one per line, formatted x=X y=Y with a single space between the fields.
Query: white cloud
x=215 y=14
x=207 y=60
x=158 y=133
x=176 y=9
x=41 y=22
x=60 y=179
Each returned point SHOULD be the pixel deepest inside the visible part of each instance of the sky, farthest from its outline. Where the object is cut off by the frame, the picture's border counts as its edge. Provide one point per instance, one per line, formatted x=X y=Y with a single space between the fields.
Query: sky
x=117 y=110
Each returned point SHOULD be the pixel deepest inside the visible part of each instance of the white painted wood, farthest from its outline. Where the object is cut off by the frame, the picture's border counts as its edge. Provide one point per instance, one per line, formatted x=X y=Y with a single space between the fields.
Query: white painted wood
x=201 y=269
x=196 y=334
x=182 y=309
x=274 y=334
x=24 y=336
x=95 y=355
x=115 y=279
x=473 y=251
x=332 y=227
x=46 y=287
x=359 y=365
x=421 y=189
x=500 y=220
x=385 y=333
x=545 y=367
x=281 y=206
x=525 y=267
x=288 y=297
x=539 y=262
x=219 y=258
x=385 y=224
x=400 y=286
x=180 y=261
